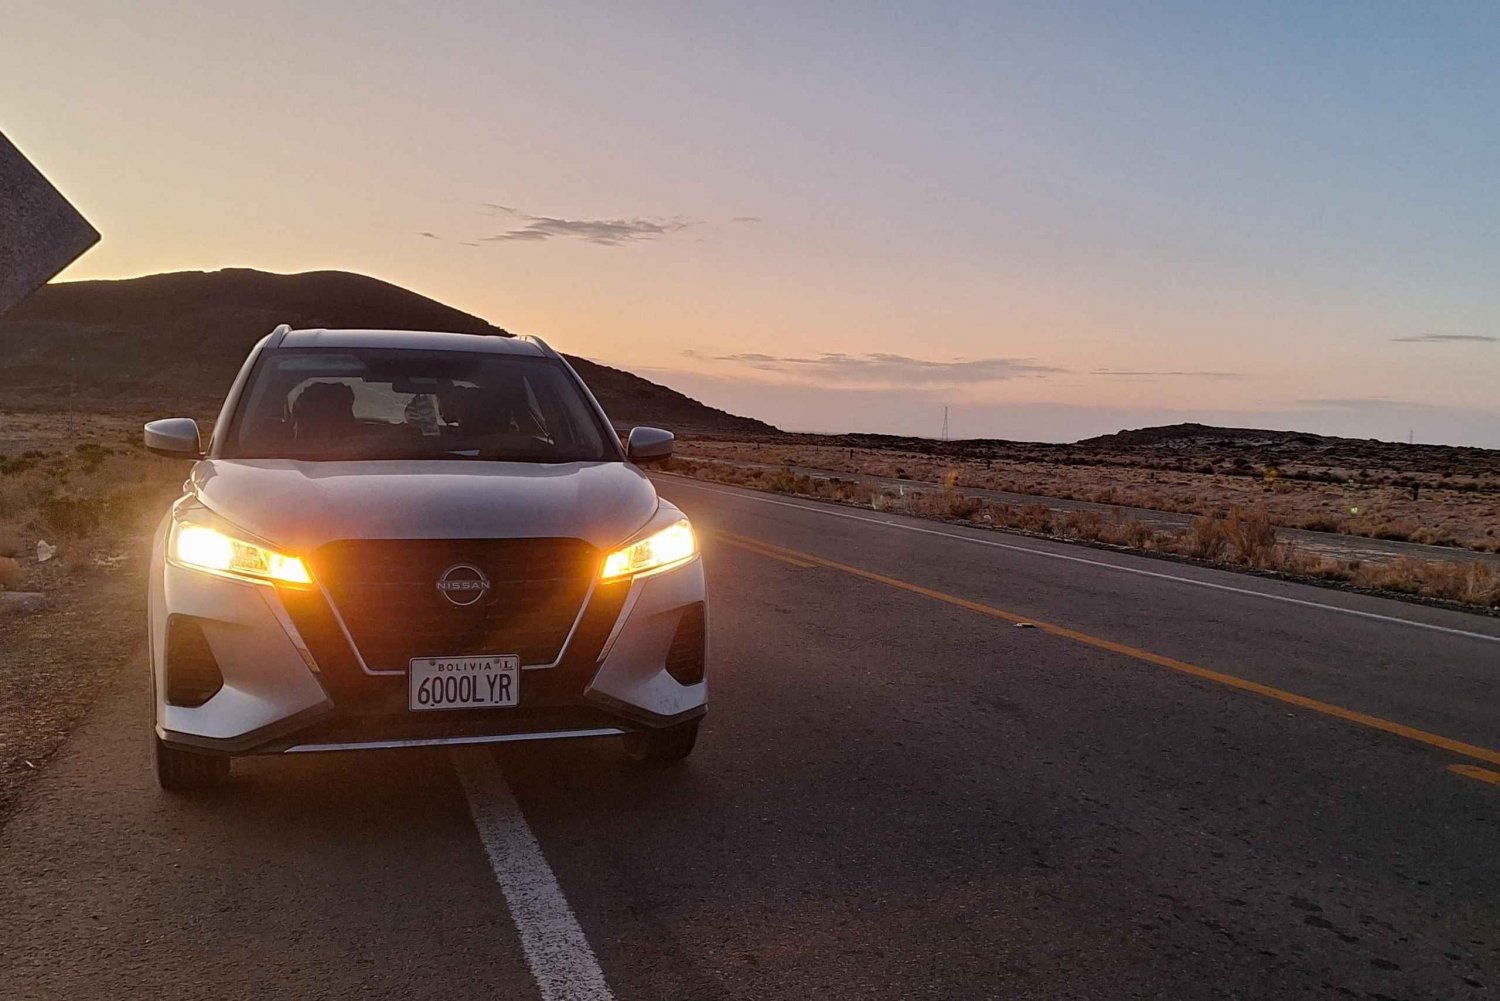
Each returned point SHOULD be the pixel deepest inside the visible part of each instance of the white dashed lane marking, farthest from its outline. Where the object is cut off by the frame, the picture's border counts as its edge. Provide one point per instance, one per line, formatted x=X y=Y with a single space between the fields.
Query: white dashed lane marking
x=556 y=951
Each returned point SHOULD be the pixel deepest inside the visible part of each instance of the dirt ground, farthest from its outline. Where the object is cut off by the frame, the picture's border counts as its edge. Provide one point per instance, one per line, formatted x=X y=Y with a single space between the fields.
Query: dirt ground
x=51 y=662
x=37 y=431
x=81 y=483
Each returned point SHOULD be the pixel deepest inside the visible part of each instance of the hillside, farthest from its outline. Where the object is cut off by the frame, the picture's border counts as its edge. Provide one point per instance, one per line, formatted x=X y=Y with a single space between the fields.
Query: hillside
x=1265 y=447
x=176 y=340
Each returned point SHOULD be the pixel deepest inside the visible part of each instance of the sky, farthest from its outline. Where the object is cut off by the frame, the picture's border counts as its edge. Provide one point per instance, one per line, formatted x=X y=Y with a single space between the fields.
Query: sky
x=1055 y=220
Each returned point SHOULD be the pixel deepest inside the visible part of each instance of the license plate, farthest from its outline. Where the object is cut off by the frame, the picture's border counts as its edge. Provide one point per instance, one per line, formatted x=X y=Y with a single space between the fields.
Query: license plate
x=464 y=682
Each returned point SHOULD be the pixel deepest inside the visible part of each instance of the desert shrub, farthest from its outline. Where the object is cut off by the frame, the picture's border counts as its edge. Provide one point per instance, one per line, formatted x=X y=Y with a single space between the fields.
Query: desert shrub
x=17 y=496
x=963 y=506
x=1132 y=532
x=1434 y=537
x=1393 y=531
x=1474 y=583
x=850 y=492
x=1034 y=518
x=1477 y=583
x=70 y=517
x=1205 y=539
x=783 y=481
x=1085 y=525
x=1289 y=559
x=941 y=504
x=1250 y=535
x=90 y=455
x=13 y=465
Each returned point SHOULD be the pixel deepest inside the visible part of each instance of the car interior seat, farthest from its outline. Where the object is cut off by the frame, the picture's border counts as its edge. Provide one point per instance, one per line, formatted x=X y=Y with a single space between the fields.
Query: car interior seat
x=324 y=410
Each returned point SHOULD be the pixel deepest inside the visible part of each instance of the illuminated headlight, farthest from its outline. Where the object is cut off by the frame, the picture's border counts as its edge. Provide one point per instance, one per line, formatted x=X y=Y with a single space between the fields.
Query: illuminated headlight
x=673 y=544
x=207 y=548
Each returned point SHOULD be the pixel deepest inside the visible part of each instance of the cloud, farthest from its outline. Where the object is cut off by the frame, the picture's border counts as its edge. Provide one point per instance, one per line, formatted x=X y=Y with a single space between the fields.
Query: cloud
x=430 y=236
x=1447 y=339
x=604 y=232
x=1132 y=373
x=746 y=218
x=1362 y=403
x=879 y=369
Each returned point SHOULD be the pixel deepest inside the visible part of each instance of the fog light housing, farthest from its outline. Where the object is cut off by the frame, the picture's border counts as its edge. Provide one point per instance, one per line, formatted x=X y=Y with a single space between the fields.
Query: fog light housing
x=192 y=674
x=687 y=654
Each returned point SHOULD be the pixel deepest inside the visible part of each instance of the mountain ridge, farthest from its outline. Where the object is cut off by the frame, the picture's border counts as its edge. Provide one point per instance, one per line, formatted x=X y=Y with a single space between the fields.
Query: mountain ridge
x=180 y=337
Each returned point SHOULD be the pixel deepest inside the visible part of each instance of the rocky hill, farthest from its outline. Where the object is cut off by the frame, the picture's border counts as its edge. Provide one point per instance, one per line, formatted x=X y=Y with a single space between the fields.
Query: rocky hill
x=177 y=340
x=1202 y=448
x=1266 y=447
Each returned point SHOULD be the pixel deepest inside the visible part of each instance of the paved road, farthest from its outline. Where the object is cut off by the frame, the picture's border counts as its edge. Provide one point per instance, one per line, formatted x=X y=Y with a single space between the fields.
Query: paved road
x=1177 y=783
x=1332 y=545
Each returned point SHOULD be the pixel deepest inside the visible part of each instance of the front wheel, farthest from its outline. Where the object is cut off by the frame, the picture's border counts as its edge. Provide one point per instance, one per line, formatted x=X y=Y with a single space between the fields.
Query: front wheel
x=187 y=771
x=664 y=746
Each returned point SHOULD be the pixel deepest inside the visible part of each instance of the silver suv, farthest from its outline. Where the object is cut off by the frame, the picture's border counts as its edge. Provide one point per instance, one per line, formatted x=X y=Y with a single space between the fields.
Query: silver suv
x=398 y=539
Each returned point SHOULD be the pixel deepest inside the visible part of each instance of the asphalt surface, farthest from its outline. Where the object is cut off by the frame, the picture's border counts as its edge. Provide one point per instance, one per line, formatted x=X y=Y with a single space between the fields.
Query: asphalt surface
x=1178 y=783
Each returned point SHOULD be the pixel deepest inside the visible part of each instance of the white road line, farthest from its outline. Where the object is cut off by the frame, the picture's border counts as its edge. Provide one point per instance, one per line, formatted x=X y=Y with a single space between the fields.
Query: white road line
x=556 y=951
x=1303 y=602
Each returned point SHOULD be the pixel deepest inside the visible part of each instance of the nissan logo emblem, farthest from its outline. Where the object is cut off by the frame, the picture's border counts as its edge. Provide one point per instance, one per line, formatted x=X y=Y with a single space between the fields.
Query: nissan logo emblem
x=463 y=584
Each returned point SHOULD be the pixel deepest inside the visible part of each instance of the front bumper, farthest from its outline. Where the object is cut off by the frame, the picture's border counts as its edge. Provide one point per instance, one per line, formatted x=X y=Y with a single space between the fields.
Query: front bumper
x=293 y=680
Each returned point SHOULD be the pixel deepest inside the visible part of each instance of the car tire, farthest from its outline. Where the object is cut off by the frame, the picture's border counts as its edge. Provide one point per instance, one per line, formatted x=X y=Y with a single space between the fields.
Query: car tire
x=664 y=746
x=187 y=771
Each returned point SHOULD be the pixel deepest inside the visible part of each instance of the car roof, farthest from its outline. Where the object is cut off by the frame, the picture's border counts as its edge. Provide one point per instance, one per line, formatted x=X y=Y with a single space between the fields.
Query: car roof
x=424 y=340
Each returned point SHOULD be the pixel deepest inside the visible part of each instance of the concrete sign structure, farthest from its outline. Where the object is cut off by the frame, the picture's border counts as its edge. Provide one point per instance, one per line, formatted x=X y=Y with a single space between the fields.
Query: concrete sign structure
x=40 y=233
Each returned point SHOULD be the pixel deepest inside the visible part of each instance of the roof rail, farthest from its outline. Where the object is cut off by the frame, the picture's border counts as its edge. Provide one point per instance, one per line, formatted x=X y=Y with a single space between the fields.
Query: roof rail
x=547 y=349
x=274 y=341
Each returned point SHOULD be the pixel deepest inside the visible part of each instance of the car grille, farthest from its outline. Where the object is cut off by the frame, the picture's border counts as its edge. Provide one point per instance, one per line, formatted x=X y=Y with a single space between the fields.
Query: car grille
x=386 y=592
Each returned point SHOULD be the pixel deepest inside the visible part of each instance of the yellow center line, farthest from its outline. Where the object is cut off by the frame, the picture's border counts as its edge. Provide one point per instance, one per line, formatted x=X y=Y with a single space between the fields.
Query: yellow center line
x=1281 y=695
x=1475 y=772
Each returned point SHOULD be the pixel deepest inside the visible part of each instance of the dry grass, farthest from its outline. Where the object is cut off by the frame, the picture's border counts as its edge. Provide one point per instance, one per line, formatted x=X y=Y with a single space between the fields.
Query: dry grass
x=1243 y=536
x=1462 y=512
x=82 y=497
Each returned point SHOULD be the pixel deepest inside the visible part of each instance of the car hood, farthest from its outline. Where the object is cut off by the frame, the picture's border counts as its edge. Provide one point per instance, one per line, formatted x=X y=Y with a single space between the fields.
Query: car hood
x=301 y=505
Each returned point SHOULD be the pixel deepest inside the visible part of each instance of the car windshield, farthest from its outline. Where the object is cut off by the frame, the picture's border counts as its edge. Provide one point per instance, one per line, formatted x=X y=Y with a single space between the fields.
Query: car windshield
x=323 y=403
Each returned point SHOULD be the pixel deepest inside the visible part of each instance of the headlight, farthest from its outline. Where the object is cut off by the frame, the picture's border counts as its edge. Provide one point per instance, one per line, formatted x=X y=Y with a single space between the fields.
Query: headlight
x=672 y=544
x=208 y=548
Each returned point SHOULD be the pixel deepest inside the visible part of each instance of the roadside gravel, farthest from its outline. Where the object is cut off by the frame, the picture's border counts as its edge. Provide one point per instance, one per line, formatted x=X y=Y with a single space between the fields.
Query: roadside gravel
x=53 y=661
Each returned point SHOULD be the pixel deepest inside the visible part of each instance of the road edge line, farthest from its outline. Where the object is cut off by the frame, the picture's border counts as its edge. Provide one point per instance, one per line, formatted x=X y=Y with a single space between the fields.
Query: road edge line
x=557 y=953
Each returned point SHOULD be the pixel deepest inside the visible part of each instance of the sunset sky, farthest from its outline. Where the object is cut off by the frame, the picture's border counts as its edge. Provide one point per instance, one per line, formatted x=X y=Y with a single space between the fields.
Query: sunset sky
x=1056 y=219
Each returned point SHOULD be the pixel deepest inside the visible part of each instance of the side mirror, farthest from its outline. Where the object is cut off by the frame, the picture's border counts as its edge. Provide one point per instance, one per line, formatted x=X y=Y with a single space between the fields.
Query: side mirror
x=648 y=445
x=175 y=437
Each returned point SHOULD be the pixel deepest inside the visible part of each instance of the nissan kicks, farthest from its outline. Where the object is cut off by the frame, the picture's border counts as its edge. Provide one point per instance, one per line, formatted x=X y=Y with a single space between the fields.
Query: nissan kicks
x=397 y=539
